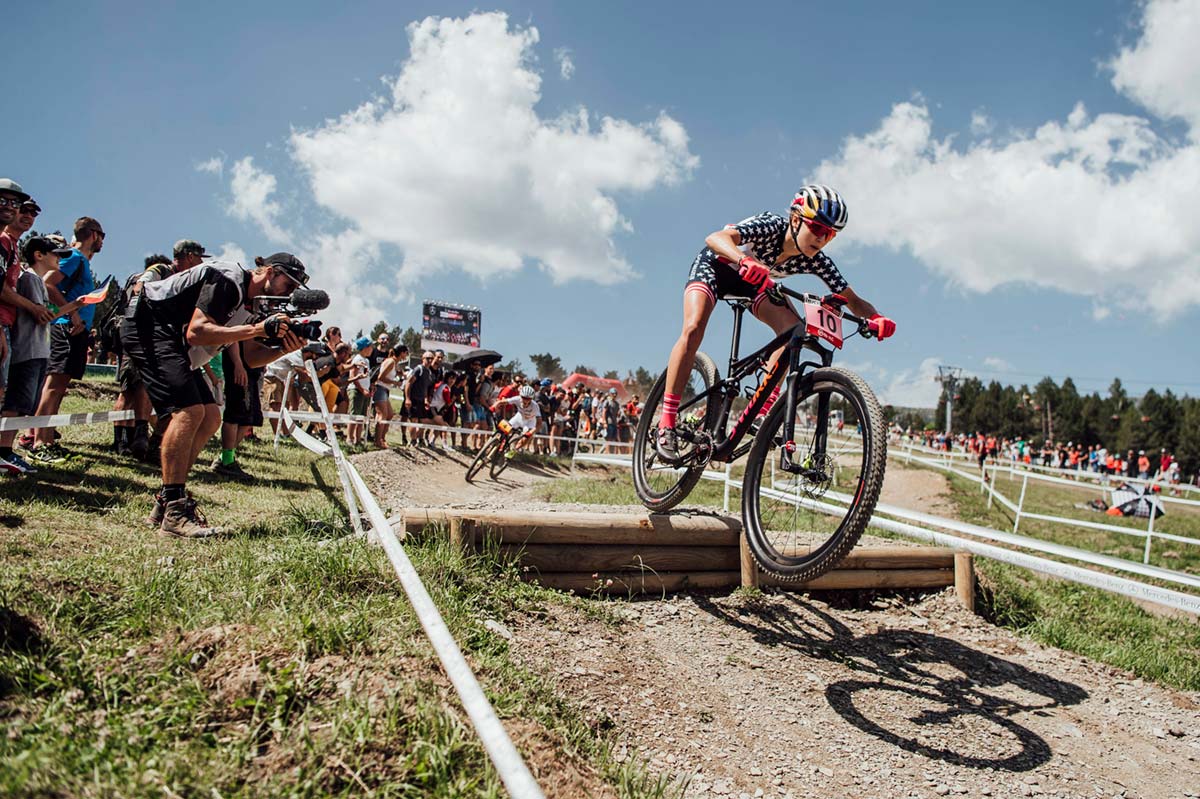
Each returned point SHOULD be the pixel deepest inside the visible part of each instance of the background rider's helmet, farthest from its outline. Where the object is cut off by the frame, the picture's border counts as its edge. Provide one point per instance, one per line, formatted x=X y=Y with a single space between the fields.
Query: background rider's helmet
x=526 y=392
x=822 y=204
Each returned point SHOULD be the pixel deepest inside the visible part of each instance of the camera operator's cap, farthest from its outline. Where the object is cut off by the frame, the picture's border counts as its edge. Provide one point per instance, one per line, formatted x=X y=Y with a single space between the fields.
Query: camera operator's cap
x=290 y=265
x=12 y=187
x=190 y=247
x=361 y=343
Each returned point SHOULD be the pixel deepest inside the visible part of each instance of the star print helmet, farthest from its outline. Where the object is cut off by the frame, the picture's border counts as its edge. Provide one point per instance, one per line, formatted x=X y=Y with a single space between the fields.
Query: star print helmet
x=526 y=392
x=823 y=204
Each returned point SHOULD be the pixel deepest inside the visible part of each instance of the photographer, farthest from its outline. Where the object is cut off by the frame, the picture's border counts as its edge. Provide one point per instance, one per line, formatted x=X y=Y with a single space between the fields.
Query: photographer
x=173 y=327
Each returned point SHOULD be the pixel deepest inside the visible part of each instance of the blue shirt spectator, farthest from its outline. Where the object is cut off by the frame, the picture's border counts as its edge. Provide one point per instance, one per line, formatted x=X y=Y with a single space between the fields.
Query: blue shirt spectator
x=77 y=280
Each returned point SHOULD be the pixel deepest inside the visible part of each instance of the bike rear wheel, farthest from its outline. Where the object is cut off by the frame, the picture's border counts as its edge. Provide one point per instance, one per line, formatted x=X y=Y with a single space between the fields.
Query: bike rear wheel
x=499 y=463
x=483 y=456
x=798 y=526
x=659 y=486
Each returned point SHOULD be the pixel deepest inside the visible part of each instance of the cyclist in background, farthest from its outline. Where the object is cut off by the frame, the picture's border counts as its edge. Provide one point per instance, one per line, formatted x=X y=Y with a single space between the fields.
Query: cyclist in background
x=526 y=418
x=743 y=260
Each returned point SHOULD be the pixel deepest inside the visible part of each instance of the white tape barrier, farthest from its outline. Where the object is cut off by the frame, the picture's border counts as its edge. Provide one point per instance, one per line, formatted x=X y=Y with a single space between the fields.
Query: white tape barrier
x=306 y=416
x=8 y=423
x=304 y=439
x=504 y=755
x=1106 y=582
x=339 y=462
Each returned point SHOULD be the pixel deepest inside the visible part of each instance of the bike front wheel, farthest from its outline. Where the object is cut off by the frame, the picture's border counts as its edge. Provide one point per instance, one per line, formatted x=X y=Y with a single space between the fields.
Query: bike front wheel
x=802 y=520
x=483 y=456
x=499 y=462
x=661 y=486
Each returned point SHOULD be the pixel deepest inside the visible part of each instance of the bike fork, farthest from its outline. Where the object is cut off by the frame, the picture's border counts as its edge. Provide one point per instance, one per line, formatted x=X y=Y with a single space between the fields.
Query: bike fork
x=789 y=417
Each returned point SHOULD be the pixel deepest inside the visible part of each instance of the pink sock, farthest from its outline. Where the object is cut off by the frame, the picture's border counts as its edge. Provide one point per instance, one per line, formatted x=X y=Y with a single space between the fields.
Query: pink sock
x=669 y=412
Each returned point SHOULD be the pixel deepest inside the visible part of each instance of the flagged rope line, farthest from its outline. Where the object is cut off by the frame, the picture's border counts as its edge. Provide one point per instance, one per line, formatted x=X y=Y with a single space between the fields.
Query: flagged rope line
x=8 y=423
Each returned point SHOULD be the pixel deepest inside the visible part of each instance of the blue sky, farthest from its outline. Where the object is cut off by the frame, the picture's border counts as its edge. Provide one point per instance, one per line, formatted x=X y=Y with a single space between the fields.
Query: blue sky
x=1021 y=177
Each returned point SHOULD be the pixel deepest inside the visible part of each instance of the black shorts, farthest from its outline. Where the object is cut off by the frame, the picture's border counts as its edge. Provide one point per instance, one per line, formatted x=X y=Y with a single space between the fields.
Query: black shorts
x=128 y=376
x=243 y=404
x=68 y=354
x=25 y=386
x=419 y=413
x=161 y=357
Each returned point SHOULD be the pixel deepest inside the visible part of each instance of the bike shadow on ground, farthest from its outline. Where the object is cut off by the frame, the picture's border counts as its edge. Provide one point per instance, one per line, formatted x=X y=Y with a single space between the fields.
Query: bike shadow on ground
x=923 y=693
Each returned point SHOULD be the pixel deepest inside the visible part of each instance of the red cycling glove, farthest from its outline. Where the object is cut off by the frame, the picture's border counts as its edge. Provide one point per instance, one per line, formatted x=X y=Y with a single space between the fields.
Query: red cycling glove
x=755 y=273
x=881 y=326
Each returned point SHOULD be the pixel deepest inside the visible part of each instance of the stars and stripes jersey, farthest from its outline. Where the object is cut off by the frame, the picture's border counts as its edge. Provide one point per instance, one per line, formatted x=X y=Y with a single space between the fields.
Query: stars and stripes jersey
x=763 y=237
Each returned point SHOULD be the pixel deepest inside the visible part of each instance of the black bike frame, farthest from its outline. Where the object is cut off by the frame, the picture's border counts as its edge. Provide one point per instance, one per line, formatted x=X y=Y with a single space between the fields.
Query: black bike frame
x=795 y=339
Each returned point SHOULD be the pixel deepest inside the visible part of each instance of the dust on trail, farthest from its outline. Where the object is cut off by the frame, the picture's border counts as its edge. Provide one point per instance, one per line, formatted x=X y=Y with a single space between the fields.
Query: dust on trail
x=850 y=695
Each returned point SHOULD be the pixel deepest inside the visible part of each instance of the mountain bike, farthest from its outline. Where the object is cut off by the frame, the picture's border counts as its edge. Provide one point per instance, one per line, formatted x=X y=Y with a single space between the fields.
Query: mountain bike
x=797 y=459
x=492 y=453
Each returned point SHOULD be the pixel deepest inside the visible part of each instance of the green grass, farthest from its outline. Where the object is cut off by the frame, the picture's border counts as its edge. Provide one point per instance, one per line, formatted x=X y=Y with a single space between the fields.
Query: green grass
x=281 y=661
x=1081 y=619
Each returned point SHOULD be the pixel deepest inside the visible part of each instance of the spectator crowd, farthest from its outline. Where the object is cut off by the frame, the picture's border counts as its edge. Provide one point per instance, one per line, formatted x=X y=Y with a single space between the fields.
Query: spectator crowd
x=194 y=361
x=1071 y=456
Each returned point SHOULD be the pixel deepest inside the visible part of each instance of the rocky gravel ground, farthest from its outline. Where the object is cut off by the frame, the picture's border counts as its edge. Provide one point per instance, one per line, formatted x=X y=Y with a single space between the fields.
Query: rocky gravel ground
x=870 y=695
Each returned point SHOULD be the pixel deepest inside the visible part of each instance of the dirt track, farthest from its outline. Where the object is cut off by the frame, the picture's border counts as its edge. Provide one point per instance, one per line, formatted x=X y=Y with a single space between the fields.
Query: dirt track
x=789 y=695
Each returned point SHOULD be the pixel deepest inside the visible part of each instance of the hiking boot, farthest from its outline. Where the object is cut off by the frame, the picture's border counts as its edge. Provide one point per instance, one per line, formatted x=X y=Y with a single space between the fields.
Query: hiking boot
x=183 y=519
x=667 y=445
x=16 y=460
x=49 y=453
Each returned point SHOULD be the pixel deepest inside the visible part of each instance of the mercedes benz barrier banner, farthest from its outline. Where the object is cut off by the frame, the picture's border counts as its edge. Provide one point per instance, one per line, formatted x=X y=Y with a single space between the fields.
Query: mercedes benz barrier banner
x=450 y=327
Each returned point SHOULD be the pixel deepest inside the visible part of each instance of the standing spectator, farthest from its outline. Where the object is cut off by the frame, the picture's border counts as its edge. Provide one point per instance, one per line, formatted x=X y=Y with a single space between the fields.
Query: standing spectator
x=562 y=415
x=30 y=345
x=610 y=410
x=1143 y=465
x=387 y=380
x=275 y=377
x=242 y=412
x=175 y=324
x=360 y=388
x=11 y=198
x=69 y=334
x=441 y=406
x=417 y=389
x=1164 y=462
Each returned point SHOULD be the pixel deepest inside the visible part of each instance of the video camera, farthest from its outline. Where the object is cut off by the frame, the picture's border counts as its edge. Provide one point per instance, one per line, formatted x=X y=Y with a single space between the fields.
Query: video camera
x=301 y=302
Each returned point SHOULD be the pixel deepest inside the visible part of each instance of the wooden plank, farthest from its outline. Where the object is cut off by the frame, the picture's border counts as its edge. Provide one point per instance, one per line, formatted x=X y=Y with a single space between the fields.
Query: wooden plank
x=630 y=582
x=665 y=529
x=555 y=558
x=964 y=579
x=749 y=567
x=895 y=558
x=863 y=579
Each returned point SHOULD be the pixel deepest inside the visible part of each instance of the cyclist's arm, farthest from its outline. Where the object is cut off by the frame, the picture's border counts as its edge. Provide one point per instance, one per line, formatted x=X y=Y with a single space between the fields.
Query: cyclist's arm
x=725 y=243
x=857 y=305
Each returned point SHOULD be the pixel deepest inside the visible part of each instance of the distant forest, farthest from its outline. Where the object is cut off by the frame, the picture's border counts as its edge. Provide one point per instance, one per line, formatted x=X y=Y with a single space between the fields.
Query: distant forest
x=1059 y=412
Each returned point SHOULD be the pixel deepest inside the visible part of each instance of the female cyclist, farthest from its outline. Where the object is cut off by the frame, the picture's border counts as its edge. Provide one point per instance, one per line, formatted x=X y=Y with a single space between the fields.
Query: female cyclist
x=742 y=260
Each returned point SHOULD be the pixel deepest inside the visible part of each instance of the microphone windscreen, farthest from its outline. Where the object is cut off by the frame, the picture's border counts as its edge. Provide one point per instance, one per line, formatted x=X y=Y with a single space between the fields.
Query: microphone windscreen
x=310 y=299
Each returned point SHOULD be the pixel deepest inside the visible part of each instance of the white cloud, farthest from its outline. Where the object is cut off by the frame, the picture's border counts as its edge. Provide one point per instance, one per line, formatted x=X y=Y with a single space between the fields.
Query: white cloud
x=252 y=189
x=1094 y=205
x=232 y=252
x=909 y=388
x=1162 y=69
x=1101 y=312
x=981 y=123
x=997 y=364
x=456 y=169
x=566 y=67
x=213 y=166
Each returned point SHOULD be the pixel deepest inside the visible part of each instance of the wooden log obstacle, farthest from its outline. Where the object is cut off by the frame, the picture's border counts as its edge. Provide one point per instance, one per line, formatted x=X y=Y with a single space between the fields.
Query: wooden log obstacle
x=631 y=553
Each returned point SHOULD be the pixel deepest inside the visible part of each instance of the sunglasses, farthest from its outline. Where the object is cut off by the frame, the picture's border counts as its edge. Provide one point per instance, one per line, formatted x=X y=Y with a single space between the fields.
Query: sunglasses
x=11 y=202
x=819 y=230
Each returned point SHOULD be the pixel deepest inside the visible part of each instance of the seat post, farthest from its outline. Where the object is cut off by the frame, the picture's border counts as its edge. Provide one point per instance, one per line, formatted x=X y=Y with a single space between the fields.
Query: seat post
x=738 y=310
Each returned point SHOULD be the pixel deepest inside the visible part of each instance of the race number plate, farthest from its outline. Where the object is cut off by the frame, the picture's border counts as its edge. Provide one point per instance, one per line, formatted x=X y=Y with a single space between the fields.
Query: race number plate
x=824 y=322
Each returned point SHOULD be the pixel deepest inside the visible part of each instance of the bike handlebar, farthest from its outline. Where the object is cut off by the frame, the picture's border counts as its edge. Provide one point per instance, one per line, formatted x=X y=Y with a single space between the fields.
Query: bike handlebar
x=863 y=329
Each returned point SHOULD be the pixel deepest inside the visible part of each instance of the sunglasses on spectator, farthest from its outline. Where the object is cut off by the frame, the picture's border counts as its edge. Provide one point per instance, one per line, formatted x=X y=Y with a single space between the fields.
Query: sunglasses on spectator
x=819 y=230
x=11 y=202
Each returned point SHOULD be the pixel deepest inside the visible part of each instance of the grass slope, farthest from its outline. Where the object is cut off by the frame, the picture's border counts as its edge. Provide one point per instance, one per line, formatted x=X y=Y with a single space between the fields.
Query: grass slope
x=281 y=661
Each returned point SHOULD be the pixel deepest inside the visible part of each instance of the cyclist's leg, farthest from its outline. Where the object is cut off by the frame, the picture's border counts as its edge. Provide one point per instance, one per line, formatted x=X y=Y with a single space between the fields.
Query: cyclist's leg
x=698 y=302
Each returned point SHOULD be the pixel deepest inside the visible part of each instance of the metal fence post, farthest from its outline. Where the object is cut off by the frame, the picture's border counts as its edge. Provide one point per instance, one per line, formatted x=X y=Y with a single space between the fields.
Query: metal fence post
x=991 y=488
x=1149 y=534
x=1021 y=501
